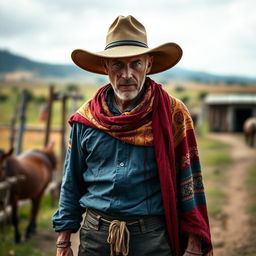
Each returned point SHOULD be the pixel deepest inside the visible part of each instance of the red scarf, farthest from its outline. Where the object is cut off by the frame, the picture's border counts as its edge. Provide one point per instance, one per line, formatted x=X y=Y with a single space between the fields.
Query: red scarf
x=151 y=123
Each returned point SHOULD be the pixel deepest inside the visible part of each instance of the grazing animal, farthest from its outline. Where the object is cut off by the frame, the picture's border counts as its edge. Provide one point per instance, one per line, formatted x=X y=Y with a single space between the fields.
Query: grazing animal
x=250 y=131
x=36 y=166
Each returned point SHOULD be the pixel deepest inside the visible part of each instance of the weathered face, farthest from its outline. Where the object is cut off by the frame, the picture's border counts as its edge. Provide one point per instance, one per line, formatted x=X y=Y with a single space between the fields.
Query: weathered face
x=127 y=75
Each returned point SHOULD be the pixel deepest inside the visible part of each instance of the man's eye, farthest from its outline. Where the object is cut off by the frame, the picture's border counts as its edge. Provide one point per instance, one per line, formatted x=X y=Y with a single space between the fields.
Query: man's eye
x=117 y=65
x=136 y=63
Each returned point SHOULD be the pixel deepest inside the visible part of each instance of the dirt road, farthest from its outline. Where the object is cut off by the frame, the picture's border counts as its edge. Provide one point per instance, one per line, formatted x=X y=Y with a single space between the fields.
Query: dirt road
x=231 y=230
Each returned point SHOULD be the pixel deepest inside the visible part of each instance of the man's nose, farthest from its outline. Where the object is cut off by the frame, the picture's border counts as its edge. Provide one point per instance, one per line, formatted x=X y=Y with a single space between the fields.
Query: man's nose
x=127 y=72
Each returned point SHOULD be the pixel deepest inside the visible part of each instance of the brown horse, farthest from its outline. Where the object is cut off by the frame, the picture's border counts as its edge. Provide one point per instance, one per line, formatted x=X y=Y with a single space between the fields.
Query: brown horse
x=250 y=131
x=37 y=167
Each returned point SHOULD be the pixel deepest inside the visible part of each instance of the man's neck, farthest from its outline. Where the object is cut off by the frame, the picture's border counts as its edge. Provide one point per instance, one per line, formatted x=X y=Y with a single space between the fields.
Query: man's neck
x=123 y=105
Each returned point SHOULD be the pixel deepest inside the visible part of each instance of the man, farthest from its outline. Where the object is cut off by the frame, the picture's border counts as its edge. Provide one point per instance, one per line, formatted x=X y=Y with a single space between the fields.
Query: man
x=132 y=163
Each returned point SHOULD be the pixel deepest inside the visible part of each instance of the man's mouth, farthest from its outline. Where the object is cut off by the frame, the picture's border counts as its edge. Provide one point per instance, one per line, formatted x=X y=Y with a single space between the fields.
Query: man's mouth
x=127 y=87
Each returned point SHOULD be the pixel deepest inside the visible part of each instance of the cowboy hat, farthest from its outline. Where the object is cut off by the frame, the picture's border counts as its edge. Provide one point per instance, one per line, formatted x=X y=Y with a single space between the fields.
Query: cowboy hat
x=127 y=37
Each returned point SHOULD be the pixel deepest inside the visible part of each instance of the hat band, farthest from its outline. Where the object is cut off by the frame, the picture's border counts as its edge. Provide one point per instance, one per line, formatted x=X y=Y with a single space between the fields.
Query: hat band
x=126 y=42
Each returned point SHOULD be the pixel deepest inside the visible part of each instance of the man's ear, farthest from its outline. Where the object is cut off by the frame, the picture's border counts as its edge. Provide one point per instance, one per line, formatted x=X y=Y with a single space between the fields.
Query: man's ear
x=150 y=63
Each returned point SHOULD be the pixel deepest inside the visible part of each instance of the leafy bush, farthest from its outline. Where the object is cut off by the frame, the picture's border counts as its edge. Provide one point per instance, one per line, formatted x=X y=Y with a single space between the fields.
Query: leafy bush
x=202 y=95
x=179 y=88
x=40 y=99
x=185 y=99
x=3 y=97
x=72 y=87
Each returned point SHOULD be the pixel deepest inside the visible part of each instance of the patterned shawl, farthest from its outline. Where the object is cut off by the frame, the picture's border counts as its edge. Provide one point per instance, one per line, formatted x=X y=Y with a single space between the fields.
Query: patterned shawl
x=165 y=123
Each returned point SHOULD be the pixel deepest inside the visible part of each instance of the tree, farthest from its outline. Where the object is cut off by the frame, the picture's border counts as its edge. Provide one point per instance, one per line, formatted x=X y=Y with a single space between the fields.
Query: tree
x=72 y=87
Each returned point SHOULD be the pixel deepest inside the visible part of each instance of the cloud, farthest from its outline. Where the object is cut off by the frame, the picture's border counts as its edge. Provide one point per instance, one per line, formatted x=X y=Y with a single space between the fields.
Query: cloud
x=19 y=18
x=216 y=35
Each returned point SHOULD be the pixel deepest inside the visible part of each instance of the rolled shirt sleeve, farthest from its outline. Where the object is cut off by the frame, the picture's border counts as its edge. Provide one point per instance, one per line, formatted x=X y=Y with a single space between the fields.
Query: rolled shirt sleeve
x=69 y=214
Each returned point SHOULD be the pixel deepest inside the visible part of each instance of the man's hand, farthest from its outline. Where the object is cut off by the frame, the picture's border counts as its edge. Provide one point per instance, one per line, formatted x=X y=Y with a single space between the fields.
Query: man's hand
x=194 y=246
x=63 y=246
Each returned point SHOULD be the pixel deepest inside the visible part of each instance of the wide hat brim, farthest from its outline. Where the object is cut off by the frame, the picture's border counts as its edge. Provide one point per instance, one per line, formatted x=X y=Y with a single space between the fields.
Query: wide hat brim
x=165 y=57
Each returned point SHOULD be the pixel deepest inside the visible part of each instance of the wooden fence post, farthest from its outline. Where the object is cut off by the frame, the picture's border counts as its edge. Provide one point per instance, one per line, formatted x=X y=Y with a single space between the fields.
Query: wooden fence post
x=13 y=127
x=49 y=115
x=22 y=117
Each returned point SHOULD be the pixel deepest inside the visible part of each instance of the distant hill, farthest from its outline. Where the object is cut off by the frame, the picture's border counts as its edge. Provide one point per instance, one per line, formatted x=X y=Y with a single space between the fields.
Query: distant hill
x=17 y=67
x=10 y=63
x=181 y=74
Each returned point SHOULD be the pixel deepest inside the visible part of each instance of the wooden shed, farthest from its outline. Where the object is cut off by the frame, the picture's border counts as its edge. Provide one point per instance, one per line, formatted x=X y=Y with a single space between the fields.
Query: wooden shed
x=227 y=113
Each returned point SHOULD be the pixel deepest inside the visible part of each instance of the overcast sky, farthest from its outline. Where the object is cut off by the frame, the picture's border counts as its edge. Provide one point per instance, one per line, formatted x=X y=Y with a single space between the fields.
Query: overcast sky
x=216 y=36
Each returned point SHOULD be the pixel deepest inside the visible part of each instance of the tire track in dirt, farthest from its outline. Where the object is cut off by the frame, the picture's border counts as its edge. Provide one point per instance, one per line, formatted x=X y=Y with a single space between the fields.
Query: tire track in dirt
x=232 y=229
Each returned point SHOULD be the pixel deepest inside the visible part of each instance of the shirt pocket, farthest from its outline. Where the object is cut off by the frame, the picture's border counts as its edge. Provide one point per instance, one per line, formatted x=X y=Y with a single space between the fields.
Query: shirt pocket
x=100 y=149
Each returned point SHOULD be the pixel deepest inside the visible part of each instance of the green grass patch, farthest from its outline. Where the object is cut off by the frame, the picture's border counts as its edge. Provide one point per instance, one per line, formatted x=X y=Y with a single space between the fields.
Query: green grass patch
x=214 y=153
x=218 y=159
x=218 y=245
x=216 y=198
x=211 y=144
x=10 y=248
x=215 y=175
x=251 y=179
x=251 y=185
x=249 y=249
x=31 y=247
x=215 y=158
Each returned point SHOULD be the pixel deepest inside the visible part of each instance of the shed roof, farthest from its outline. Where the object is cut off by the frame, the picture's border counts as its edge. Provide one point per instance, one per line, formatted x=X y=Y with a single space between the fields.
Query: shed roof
x=227 y=99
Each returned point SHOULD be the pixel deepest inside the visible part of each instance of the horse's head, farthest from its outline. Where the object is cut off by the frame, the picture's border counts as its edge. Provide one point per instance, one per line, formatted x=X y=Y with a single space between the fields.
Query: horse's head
x=49 y=151
x=3 y=157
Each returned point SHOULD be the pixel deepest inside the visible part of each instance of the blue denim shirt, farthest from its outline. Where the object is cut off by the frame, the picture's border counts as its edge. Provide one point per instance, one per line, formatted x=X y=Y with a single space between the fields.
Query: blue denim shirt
x=104 y=173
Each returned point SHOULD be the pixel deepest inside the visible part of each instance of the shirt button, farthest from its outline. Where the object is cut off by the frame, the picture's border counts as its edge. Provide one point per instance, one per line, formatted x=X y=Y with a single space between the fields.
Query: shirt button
x=122 y=164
